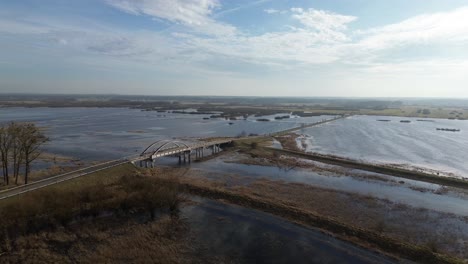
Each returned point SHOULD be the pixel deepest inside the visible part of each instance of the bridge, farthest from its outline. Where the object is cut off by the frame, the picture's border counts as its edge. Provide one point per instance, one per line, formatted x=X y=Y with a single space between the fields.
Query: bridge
x=180 y=149
x=162 y=148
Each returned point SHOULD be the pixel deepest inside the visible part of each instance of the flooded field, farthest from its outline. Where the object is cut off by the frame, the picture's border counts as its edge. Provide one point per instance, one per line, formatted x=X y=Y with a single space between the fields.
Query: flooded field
x=417 y=143
x=109 y=133
x=397 y=190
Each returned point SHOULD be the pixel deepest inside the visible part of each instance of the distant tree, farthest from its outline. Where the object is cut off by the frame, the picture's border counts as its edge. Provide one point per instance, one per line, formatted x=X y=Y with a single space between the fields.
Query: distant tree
x=426 y=112
x=242 y=134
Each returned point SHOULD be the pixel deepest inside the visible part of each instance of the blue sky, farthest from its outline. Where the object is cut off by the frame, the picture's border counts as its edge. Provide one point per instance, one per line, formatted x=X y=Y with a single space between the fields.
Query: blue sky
x=361 y=48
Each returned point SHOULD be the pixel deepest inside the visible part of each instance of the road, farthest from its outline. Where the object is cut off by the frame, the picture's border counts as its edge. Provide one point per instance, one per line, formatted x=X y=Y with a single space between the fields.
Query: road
x=60 y=178
x=378 y=168
x=306 y=126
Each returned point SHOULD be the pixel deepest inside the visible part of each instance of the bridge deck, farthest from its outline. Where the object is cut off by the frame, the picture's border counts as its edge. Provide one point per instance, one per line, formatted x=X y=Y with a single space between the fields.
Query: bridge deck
x=182 y=149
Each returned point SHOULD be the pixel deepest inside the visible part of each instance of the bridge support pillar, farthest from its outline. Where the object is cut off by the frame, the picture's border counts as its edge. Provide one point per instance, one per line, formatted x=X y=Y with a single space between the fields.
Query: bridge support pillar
x=180 y=159
x=189 y=157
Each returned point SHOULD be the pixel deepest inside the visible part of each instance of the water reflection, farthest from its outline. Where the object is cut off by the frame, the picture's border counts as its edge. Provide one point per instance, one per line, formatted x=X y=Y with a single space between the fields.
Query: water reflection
x=250 y=236
x=408 y=193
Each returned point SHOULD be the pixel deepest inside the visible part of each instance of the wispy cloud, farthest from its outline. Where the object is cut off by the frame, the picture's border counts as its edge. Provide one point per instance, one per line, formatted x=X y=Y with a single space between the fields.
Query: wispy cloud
x=271 y=11
x=194 y=14
x=240 y=7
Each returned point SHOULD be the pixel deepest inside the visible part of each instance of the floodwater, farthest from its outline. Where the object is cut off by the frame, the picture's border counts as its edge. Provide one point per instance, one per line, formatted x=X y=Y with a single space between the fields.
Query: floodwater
x=409 y=144
x=388 y=188
x=110 y=133
x=250 y=236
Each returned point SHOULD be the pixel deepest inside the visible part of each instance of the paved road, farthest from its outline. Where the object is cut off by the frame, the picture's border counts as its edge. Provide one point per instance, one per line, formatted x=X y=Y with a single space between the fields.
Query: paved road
x=306 y=126
x=60 y=178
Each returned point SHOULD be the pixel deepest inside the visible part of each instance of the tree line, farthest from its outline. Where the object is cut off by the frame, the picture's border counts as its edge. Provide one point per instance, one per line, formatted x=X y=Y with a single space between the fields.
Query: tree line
x=19 y=146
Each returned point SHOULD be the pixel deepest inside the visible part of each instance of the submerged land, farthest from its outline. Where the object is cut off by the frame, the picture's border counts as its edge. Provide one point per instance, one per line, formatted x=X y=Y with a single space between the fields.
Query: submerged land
x=264 y=198
x=238 y=107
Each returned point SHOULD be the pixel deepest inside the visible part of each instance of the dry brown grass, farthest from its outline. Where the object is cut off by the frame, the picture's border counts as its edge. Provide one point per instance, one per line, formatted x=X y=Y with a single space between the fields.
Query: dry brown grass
x=288 y=141
x=28 y=220
x=104 y=241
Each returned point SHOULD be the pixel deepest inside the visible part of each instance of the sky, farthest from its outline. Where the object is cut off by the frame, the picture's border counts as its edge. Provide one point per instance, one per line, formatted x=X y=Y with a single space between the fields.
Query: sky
x=349 y=48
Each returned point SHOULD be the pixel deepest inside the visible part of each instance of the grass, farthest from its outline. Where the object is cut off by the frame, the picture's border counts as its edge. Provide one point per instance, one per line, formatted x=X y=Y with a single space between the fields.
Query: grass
x=103 y=241
x=120 y=192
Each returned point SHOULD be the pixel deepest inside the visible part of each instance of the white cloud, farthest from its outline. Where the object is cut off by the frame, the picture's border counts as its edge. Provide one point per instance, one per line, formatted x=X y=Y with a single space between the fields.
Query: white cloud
x=321 y=20
x=427 y=67
x=195 y=14
x=444 y=28
x=271 y=11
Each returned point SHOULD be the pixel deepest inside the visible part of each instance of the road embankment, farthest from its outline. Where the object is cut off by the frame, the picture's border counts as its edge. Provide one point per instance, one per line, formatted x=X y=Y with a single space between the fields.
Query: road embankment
x=377 y=168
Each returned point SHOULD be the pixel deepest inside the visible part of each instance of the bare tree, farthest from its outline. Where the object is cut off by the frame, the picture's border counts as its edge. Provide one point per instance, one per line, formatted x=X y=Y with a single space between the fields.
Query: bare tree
x=30 y=139
x=5 y=148
x=17 y=151
x=19 y=145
